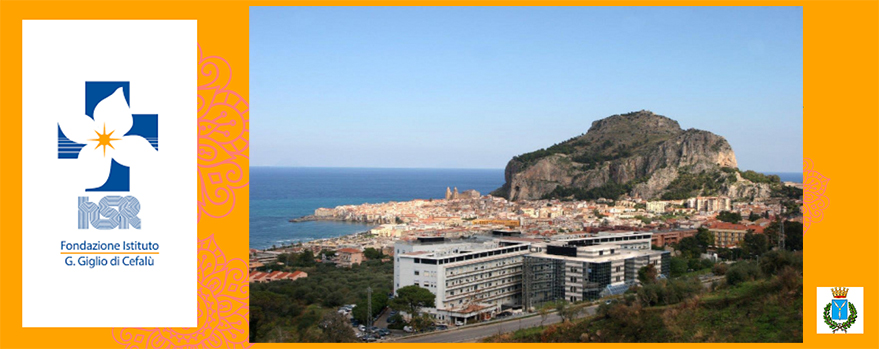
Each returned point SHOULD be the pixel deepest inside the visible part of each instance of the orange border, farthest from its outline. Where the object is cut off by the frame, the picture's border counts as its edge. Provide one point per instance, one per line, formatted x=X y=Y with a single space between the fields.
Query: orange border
x=840 y=87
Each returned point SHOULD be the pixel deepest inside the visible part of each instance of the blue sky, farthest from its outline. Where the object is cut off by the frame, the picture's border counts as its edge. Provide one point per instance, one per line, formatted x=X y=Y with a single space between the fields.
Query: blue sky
x=472 y=87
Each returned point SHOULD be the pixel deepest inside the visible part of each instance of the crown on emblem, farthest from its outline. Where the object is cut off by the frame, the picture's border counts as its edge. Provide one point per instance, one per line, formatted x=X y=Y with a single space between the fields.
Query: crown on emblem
x=839 y=292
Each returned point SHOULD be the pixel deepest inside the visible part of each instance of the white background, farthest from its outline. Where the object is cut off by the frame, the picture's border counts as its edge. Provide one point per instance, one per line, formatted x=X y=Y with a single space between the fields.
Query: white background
x=159 y=58
x=855 y=296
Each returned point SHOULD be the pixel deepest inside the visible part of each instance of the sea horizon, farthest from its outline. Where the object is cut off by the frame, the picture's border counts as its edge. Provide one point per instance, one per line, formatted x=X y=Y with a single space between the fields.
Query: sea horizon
x=279 y=194
x=782 y=174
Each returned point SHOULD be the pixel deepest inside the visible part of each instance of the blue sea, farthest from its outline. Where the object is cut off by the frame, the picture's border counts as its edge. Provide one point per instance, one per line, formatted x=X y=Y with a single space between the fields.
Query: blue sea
x=788 y=176
x=278 y=194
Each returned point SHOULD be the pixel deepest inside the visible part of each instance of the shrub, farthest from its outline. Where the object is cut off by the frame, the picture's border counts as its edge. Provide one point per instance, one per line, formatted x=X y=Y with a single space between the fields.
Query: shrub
x=707 y=264
x=774 y=261
x=720 y=269
x=742 y=272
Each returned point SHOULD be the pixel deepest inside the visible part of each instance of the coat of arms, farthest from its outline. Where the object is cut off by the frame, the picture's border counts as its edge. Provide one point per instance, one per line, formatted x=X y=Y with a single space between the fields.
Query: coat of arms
x=840 y=314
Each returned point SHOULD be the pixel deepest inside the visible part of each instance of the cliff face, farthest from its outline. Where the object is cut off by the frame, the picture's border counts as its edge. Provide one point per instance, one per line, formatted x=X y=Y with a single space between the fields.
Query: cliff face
x=639 y=153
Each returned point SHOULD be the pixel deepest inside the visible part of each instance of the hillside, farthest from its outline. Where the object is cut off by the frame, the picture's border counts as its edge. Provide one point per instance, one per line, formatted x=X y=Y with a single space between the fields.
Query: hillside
x=640 y=154
x=758 y=301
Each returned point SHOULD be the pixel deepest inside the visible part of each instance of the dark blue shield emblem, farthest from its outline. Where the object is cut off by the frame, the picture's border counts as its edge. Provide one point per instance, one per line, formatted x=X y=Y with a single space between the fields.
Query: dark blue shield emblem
x=839 y=310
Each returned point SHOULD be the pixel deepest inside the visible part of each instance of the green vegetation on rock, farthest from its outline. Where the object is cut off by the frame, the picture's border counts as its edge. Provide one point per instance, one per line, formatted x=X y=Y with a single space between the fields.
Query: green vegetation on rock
x=706 y=183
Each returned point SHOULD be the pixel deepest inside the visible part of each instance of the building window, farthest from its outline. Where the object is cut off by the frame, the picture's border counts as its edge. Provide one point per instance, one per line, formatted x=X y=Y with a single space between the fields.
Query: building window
x=416 y=272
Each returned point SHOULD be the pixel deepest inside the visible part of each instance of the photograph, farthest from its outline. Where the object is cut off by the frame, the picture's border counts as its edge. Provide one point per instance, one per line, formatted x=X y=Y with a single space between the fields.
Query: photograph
x=526 y=175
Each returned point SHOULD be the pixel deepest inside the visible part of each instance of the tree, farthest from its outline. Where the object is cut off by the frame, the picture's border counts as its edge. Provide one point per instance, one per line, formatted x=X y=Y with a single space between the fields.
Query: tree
x=335 y=329
x=774 y=261
x=729 y=253
x=544 y=311
x=793 y=235
x=372 y=253
x=567 y=311
x=729 y=217
x=705 y=238
x=741 y=272
x=690 y=247
x=421 y=321
x=379 y=302
x=720 y=269
x=753 y=216
x=694 y=264
x=792 y=208
x=647 y=274
x=304 y=259
x=754 y=244
x=707 y=264
x=678 y=266
x=412 y=298
x=334 y=299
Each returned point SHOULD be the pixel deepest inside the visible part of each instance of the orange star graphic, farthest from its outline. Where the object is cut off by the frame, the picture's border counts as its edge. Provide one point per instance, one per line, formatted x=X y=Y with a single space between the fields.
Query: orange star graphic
x=104 y=139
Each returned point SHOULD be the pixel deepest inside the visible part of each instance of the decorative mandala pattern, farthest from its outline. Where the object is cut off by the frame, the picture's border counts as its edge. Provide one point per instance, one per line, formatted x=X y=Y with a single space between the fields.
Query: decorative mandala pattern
x=223 y=126
x=222 y=162
x=222 y=308
x=814 y=200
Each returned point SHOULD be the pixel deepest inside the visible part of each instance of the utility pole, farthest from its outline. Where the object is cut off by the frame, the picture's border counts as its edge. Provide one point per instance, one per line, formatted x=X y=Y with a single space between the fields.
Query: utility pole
x=369 y=307
x=781 y=229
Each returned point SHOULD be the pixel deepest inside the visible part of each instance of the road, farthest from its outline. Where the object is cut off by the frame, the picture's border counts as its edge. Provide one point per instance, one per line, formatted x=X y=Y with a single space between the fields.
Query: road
x=474 y=333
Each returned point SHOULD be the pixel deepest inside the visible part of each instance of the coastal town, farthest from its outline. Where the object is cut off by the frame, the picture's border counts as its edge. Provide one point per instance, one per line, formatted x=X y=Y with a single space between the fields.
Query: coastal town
x=469 y=213
x=481 y=257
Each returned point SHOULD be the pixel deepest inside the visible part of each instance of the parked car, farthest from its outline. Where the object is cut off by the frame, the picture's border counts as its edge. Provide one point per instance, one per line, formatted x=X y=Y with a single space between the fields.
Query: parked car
x=442 y=327
x=384 y=332
x=361 y=328
x=408 y=329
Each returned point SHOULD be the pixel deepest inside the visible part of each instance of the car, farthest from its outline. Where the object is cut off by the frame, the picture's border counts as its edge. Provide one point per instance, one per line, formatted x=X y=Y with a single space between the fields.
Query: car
x=442 y=327
x=361 y=328
x=384 y=332
x=408 y=329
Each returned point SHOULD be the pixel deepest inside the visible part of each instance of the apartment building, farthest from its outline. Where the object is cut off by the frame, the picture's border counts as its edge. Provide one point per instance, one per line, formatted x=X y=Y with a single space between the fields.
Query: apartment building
x=475 y=278
x=471 y=278
x=576 y=273
x=630 y=240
